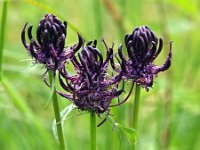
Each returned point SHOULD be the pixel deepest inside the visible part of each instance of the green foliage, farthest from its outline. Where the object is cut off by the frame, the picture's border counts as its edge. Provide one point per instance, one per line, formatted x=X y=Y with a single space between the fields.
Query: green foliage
x=2 y=34
x=169 y=113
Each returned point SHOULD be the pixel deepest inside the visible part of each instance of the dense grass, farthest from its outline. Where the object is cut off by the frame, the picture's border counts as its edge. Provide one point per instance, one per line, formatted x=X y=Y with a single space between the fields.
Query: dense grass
x=169 y=113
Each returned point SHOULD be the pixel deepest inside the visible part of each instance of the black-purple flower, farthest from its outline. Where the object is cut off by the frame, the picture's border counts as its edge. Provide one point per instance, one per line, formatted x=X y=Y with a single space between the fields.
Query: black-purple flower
x=143 y=47
x=49 y=49
x=91 y=88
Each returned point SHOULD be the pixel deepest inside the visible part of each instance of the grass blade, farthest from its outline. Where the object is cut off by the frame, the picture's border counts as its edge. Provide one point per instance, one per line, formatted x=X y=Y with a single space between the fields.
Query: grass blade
x=17 y=99
x=2 y=34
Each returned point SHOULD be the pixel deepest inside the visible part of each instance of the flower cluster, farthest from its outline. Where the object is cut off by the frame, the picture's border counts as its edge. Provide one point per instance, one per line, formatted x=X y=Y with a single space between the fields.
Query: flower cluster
x=91 y=88
x=143 y=47
x=49 y=49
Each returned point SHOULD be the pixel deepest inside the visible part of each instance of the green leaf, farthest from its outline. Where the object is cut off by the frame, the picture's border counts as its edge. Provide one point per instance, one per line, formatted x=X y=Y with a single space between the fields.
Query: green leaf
x=130 y=132
x=50 y=97
x=63 y=114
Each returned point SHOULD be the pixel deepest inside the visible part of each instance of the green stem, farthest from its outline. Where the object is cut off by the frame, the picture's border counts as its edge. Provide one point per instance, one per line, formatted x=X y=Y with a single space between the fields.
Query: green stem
x=93 y=130
x=57 y=113
x=2 y=34
x=136 y=110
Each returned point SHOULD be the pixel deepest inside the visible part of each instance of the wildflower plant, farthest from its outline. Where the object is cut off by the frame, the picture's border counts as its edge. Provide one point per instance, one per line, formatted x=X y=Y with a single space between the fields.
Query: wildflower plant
x=143 y=47
x=49 y=50
x=90 y=87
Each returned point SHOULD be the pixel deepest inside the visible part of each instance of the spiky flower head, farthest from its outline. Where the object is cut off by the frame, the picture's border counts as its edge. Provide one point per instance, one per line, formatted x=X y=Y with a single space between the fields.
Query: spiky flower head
x=48 y=49
x=91 y=88
x=143 y=47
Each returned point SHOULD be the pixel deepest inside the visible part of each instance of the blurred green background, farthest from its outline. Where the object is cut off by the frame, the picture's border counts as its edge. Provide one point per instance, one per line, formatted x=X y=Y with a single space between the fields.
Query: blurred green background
x=169 y=113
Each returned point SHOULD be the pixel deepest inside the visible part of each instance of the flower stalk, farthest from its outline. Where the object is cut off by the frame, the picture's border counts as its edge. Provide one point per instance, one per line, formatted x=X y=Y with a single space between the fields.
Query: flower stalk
x=57 y=113
x=136 y=111
x=93 y=130
x=136 y=106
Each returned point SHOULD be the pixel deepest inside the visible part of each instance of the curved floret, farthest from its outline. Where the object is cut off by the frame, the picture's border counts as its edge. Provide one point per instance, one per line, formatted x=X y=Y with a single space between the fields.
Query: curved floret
x=143 y=47
x=49 y=48
x=91 y=88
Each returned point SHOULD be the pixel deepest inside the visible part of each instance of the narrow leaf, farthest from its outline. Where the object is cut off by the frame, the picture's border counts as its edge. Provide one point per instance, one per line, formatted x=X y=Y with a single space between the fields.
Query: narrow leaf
x=63 y=114
x=130 y=132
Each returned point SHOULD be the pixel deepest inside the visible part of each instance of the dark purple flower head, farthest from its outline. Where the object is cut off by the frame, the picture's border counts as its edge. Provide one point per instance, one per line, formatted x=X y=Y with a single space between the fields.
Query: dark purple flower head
x=49 y=47
x=143 y=47
x=91 y=88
